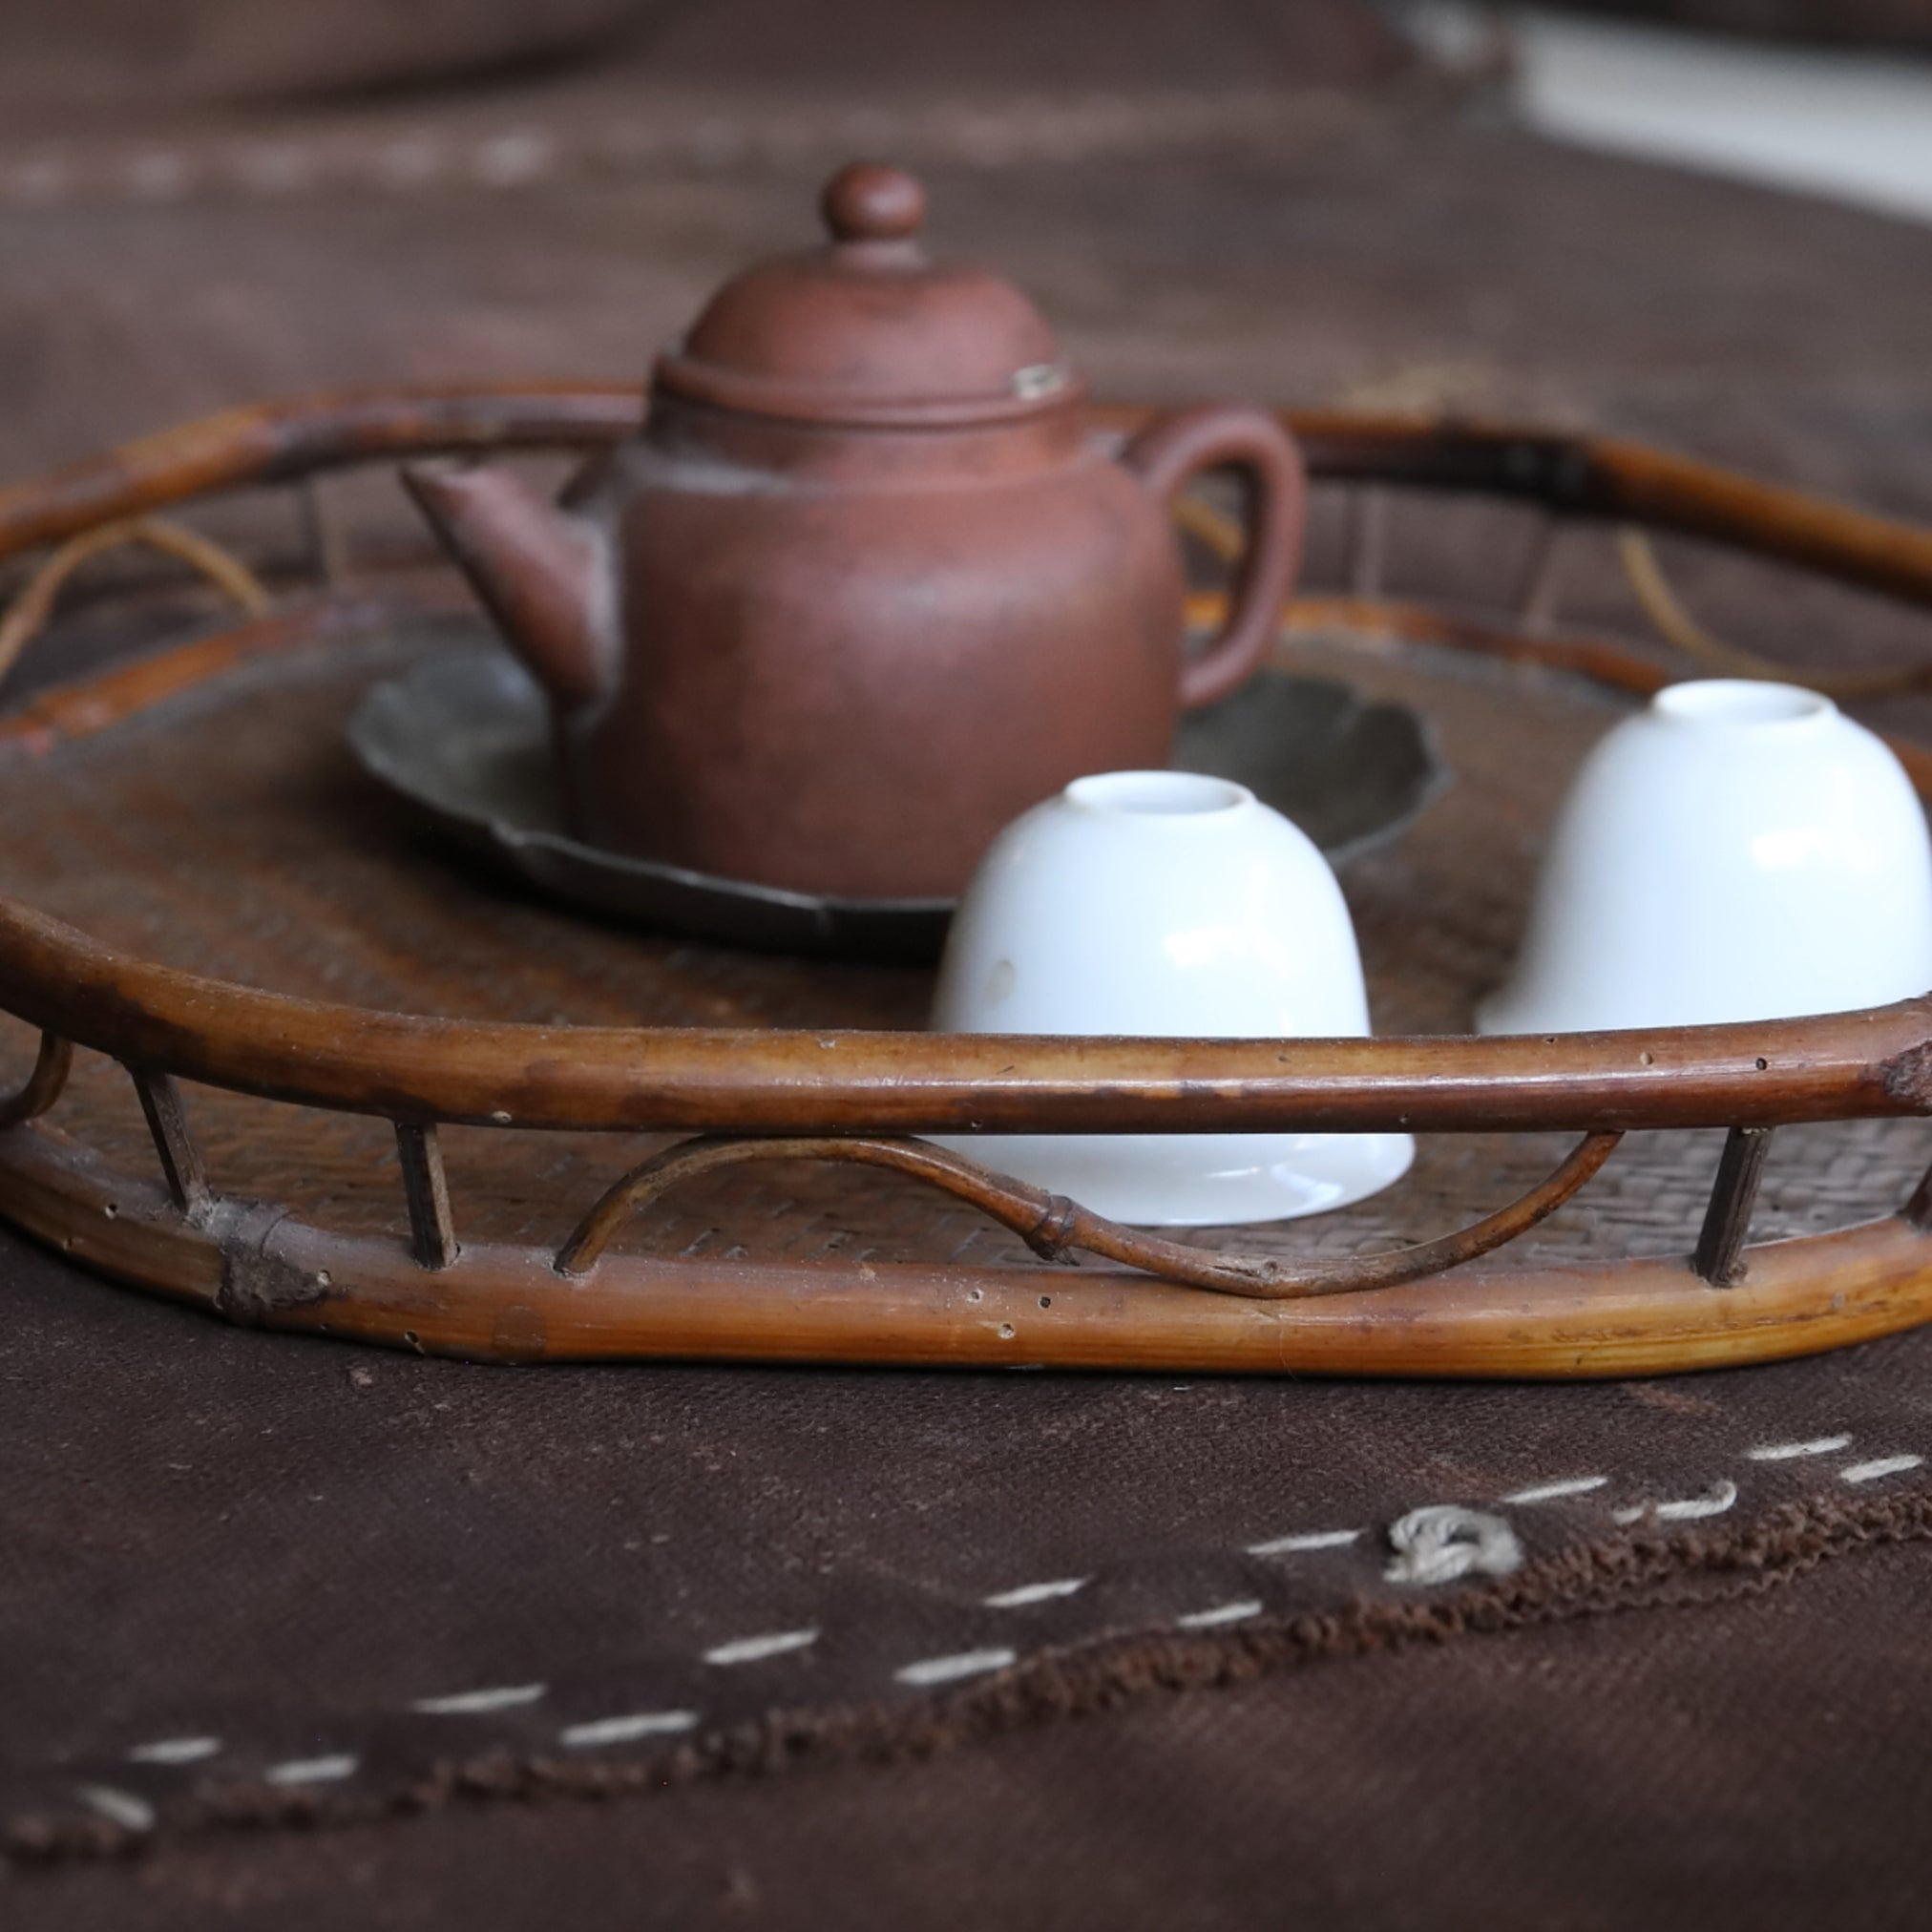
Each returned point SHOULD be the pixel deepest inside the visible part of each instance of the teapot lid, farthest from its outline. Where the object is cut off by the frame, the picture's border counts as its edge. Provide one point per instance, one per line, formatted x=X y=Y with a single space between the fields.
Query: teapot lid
x=866 y=331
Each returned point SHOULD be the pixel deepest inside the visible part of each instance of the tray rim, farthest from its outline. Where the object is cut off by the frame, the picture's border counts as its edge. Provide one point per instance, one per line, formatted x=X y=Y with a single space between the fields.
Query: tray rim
x=1726 y=1303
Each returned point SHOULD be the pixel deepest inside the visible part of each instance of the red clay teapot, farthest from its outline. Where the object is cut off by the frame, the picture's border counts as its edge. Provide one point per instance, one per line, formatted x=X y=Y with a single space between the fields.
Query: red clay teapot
x=865 y=587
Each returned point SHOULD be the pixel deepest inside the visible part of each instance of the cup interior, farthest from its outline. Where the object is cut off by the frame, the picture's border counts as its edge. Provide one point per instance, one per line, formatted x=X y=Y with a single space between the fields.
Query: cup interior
x=1158 y=795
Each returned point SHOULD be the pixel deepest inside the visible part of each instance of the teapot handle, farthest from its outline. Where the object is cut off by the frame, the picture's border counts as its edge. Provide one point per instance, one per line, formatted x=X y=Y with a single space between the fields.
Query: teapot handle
x=1175 y=448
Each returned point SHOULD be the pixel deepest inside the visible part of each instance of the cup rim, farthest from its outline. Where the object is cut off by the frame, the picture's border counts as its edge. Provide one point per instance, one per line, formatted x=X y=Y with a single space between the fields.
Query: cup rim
x=1741 y=705
x=1166 y=797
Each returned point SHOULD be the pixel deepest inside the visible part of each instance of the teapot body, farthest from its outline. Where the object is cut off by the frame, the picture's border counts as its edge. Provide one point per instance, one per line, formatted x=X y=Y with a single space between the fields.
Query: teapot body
x=863 y=589
x=844 y=662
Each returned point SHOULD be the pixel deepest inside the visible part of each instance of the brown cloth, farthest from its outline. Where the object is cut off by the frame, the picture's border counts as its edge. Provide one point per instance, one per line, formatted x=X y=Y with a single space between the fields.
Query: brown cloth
x=1754 y=1763
x=298 y=1554
x=254 y=1580
x=178 y=63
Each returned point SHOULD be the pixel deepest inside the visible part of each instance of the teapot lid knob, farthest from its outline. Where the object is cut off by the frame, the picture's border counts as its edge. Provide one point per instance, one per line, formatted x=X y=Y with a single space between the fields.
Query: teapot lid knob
x=864 y=332
x=870 y=201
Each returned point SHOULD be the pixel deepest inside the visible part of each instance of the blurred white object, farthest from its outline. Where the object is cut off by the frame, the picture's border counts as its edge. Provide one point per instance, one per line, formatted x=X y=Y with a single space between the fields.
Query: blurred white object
x=1739 y=851
x=1856 y=126
x=1164 y=903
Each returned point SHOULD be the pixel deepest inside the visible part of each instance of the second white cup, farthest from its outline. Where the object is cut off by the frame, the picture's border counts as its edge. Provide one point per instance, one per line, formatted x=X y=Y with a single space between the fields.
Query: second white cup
x=1736 y=851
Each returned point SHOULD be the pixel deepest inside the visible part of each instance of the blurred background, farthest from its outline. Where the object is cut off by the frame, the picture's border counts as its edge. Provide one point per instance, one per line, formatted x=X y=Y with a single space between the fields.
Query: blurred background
x=1702 y=221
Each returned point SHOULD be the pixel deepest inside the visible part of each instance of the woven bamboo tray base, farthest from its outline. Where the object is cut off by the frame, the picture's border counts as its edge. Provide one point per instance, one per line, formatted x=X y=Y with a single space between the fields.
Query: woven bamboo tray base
x=224 y=829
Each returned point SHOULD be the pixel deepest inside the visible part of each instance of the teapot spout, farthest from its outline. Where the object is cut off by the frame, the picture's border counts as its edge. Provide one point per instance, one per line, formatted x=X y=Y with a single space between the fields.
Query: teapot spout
x=542 y=572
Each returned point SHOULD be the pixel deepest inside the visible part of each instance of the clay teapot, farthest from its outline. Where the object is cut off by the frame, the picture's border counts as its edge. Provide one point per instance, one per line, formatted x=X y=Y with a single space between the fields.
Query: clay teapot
x=865 y=587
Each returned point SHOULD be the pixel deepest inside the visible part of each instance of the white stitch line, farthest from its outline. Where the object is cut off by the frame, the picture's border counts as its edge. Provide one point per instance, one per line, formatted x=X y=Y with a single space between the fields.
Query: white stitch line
x=120 y=1807
x=473 y=1703
x=1719 y=1498
x=174 y=1751
x=1222 y=1613
x=275 y=170
x=1035 y=1593
x=1785 y=1452
x=622 y=1730
x=1548 y=1492
x=311 y=1770
x=1882 y=1466
x=412 y=159
x=509 y=159
x=752 y=1649
x=41 y=181
x=161 y=176
x=944 y=1670
x=1715 y=1501
x=1312 y=1539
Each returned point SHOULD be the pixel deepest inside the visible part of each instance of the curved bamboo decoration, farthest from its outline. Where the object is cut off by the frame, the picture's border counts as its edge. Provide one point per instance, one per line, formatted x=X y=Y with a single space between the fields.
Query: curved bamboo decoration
x=503 y=1304
x=1221 y=536
x=34 y=605
x=1054 y=1226
x=43 y=1086
x=1675 y=625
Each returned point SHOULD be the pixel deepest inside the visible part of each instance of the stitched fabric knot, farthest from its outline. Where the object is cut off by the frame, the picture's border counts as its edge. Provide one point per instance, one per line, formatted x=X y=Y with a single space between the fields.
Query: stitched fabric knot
x=1442 y=1540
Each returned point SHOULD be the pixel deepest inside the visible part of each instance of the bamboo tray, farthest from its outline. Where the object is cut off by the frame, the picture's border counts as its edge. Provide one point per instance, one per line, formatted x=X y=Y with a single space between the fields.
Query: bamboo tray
x=296 y=1067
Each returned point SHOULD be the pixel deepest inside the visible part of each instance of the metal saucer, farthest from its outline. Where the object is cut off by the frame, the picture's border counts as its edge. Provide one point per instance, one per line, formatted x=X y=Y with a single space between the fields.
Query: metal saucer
x=463 y=735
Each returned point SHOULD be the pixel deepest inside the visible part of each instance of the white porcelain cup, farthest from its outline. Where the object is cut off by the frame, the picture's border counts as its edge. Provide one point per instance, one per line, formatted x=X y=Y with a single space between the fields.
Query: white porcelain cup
x=1738 y=851
x=1164 y=903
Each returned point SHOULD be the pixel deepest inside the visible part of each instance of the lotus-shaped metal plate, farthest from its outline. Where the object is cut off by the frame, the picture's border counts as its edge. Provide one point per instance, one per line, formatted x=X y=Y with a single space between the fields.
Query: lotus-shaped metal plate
x=465 y=736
